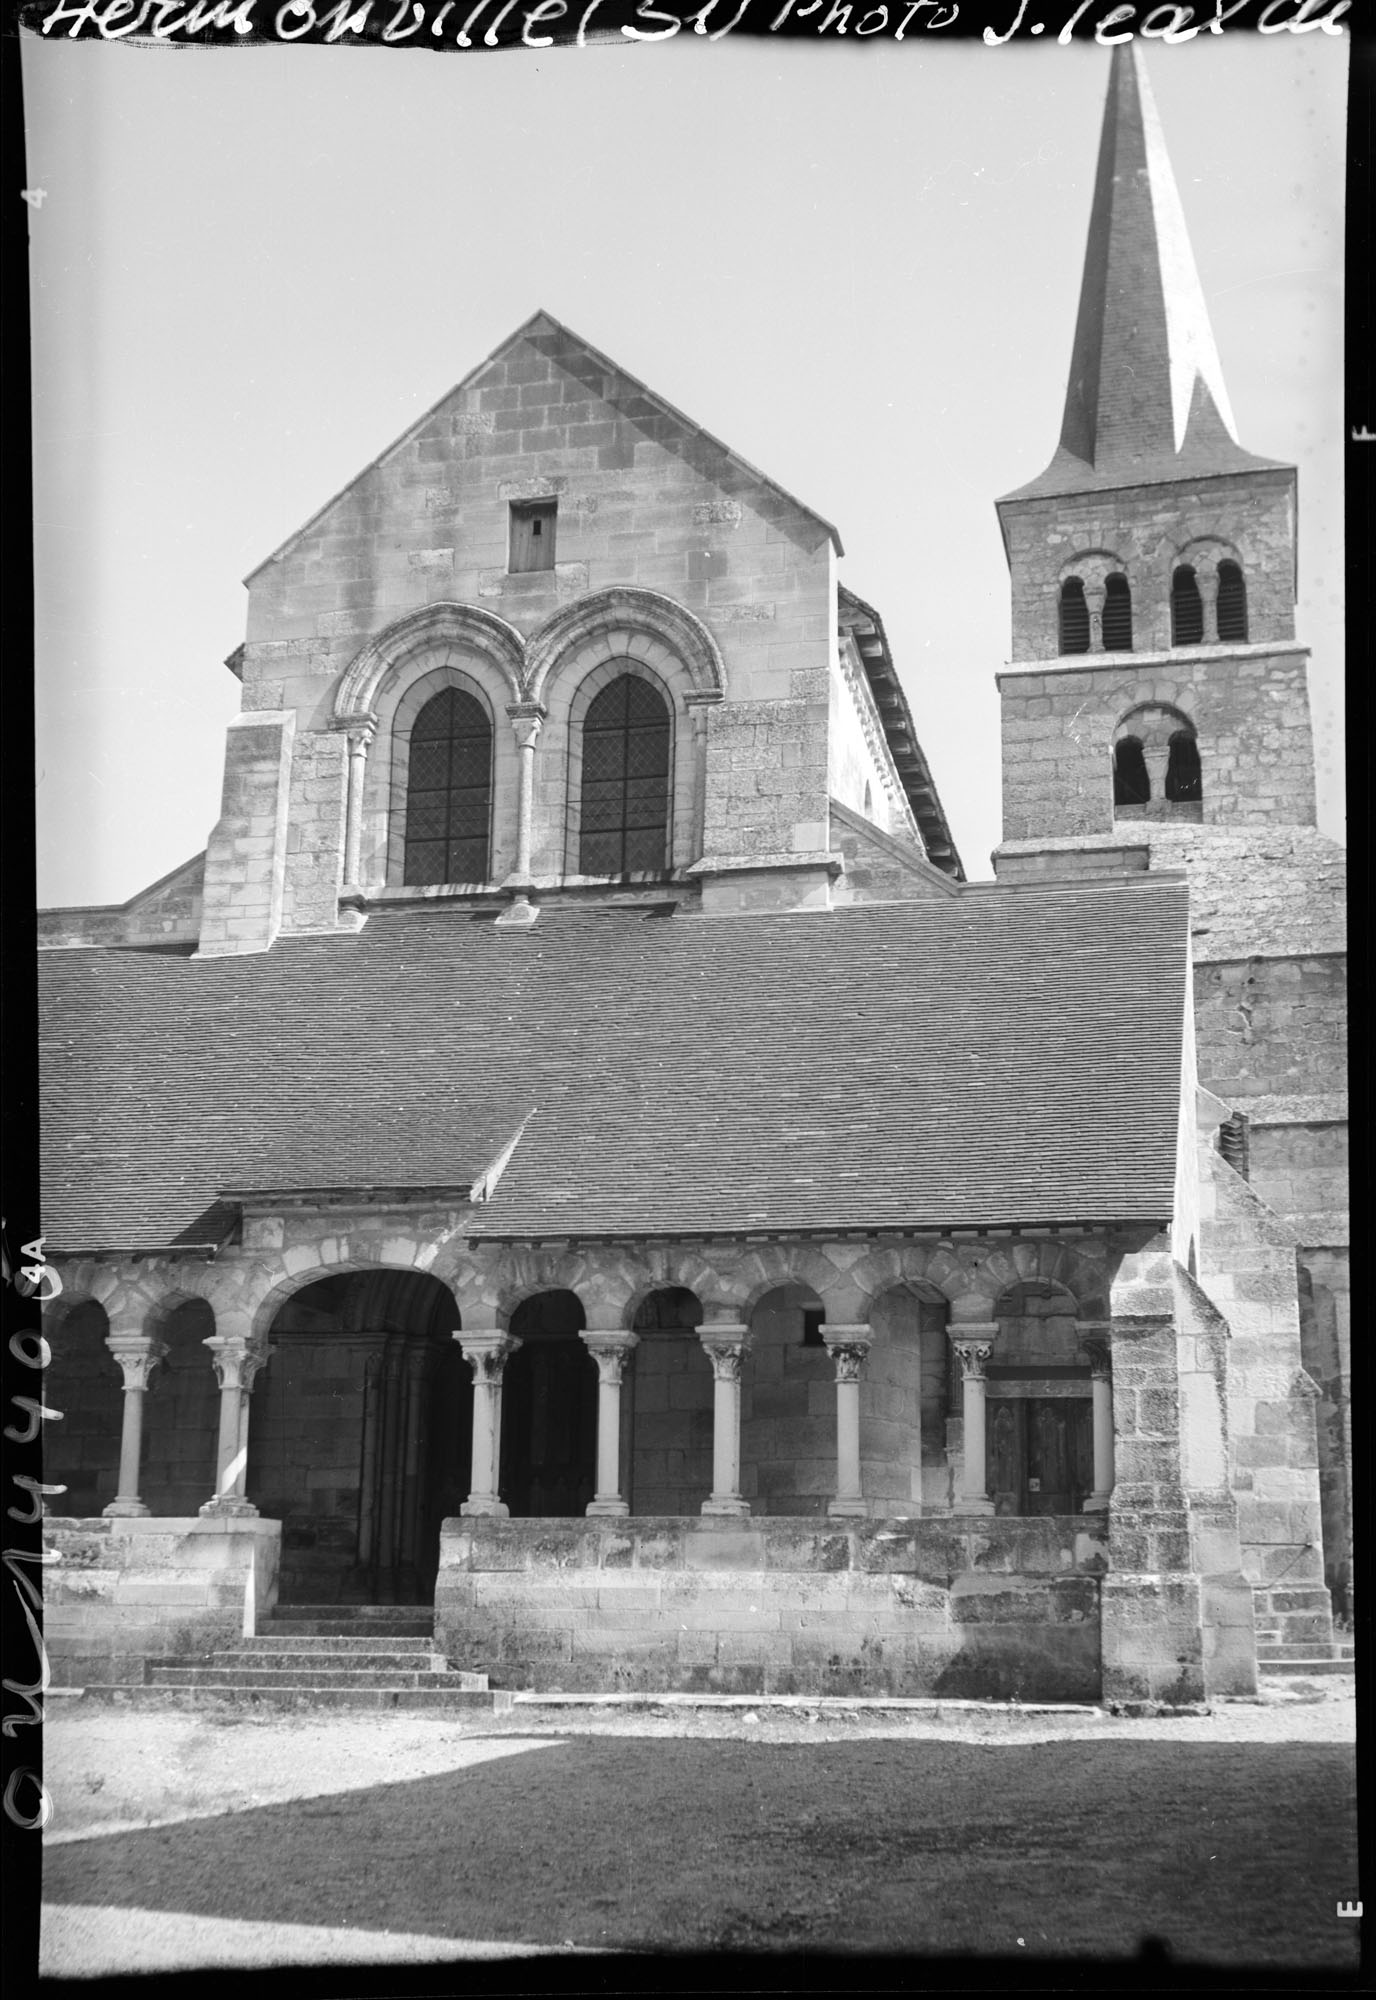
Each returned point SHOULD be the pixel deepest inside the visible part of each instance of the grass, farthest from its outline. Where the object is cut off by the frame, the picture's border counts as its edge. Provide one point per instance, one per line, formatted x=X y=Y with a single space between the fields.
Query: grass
x=1228 y=1854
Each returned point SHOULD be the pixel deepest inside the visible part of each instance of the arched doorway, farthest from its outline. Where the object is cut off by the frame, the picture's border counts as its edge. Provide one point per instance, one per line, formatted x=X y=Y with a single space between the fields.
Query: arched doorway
x=81 y=1450
x=668 y=1407
x=549 y=1411
x=361 y=1436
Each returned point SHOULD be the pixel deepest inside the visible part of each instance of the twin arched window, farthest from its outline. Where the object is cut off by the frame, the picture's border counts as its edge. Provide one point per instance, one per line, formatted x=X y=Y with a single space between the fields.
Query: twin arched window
x=1187 y=606
x=625 y=787
x=1116 y=617
x=1156 y=746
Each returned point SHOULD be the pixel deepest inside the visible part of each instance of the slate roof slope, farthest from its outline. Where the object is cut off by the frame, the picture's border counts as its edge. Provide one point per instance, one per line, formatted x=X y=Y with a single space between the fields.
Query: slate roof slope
x=1004 y=1055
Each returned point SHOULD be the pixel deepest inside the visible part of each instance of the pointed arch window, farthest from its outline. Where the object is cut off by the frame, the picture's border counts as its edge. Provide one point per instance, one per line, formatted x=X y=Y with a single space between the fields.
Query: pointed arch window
x=448 y=791
x=1187 y=608
x=1074 y=617
x=1184 y=779
x=1232 y=602
x=1117 y=615
x=1131 y=784
x=624 y=816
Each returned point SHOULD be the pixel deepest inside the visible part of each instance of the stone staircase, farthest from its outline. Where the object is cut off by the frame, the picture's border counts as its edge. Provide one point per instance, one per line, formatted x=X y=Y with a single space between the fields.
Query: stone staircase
x=1305 y=1657
x=360 y=1656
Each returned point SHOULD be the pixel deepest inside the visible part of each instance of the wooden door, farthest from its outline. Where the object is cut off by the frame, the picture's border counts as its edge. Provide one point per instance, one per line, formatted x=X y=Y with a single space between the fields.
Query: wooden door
x=1040 y=1454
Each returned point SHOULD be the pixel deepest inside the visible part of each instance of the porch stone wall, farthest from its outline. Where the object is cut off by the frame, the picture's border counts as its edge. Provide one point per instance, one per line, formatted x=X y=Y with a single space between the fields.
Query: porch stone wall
x=129 y=1590
x=999 y=1608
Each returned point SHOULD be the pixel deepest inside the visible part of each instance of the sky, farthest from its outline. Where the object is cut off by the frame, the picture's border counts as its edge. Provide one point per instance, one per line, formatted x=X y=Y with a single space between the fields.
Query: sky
x=253 y=268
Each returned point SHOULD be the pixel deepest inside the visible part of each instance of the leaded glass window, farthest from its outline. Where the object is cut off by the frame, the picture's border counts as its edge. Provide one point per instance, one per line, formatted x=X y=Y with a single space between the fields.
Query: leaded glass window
x=449 y=791
x=624 y=822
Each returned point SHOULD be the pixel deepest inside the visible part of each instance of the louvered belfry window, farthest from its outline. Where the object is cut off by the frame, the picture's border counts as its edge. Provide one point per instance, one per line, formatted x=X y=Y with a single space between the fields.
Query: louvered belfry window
x=1187 y=608
x=1117 y=615
x=624 y=823
x=1074 y=620
x=1232 y=602
x=449 y=791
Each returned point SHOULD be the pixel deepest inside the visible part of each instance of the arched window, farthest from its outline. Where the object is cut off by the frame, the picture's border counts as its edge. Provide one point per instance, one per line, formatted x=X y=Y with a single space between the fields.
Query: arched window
x=1074 y=617
x=1131 y=784
x=1117 y=615
x=449 y=791
x=1232 y=602
x=1184 y=781
x=1187 y=608
x=624 y=822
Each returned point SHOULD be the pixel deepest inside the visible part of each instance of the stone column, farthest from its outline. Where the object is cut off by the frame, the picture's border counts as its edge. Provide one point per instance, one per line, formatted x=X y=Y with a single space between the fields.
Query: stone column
x=611 y=1352
x=848 y=1347
x=237 y=1359
x=1095 y=593
x=486 y=1354
x=526 y=718
x=1095 y=1348
x=973 y=1345
x=360 y=738
x=1157 y=757
x=138 y=1354
x=725 y=1345
x=1206 y=576
x=697 y=705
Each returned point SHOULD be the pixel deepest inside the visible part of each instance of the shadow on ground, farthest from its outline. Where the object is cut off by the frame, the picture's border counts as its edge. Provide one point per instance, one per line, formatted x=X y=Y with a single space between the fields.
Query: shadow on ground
x=1231 y=1855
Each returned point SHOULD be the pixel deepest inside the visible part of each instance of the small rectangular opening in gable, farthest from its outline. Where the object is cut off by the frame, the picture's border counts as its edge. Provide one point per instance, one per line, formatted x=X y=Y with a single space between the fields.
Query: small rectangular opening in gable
x=532 y=534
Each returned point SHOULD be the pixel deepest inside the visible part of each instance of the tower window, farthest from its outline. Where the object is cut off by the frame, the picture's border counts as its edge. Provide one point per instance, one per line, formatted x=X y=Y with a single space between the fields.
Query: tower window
x=624 y=824
x=1232 y=602
x=1131 y=784
x=1187 y=608
x=1184 y=780
x=1117 y=615
x=1074 y=622
x=532 y=534
x=448 y=791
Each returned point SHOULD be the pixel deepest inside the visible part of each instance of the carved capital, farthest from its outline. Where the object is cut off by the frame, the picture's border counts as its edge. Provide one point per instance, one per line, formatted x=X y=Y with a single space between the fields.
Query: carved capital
x=1095 y=1350
x=973 y=1355
x=725 y=1347
x=849 y=1352
x=487 y=1354
x=526 y=718
x=611 y=1352
x=236 y=1360
x=138 y=1354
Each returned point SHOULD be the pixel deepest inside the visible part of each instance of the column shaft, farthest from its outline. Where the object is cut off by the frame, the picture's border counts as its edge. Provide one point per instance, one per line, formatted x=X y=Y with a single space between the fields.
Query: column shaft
x=138 y=1354
x=726 y=1347
x=848 y=1347
x=973 y=1346
x=486 y=1354
x=611 y=1352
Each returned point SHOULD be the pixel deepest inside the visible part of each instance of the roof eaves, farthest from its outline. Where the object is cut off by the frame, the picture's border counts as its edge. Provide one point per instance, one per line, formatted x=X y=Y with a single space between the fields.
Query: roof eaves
x=916 y=779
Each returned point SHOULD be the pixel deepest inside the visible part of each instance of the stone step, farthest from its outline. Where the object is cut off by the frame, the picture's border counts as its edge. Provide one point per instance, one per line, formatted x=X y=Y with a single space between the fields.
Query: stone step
x=1273 y=1652
x=344 y=1615
x=1291 y=1669
x=347 y=1644
x=256 y=1675
x=439 y=1697
x=331 y=1665
x=331 y=1626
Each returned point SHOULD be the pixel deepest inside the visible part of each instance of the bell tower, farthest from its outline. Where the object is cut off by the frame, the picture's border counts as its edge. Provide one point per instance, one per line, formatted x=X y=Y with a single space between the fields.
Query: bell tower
x=1156 y=715
x=1156 y=675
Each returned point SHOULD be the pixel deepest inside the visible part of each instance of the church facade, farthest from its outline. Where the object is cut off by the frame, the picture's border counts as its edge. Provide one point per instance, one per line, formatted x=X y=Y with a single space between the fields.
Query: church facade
x=576 y=1153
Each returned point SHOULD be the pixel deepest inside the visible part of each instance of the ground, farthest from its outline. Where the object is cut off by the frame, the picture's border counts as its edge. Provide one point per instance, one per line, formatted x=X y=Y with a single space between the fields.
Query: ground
x=241 y=1837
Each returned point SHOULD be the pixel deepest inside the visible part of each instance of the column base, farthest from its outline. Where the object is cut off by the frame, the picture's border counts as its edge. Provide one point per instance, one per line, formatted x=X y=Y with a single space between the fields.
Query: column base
x=484 y=1503
x=848 y=1510
x=726 y=1503
x=607 y=1507
x=229 y=1508
x=121 y=1509
x=981 y=1505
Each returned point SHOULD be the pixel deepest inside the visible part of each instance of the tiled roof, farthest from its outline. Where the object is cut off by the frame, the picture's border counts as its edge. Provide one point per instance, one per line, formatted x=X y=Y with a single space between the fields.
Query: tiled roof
x=1004 y=1055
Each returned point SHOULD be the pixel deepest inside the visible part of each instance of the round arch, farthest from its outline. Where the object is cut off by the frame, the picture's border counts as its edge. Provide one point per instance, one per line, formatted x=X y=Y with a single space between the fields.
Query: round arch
x=623 y=619
x=430 y=635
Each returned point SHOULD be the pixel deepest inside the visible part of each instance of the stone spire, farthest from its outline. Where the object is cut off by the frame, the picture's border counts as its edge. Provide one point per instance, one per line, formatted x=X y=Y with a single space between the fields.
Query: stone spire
x=1146 y=400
